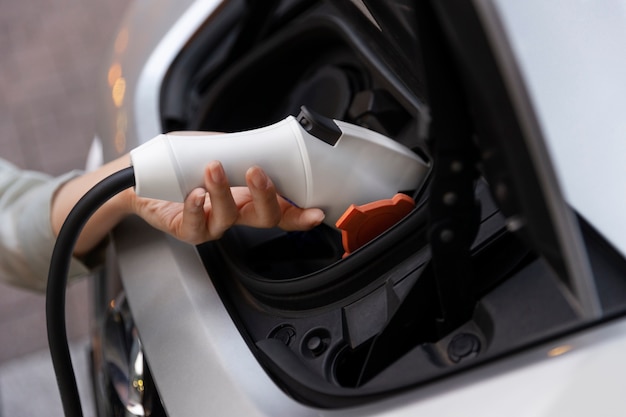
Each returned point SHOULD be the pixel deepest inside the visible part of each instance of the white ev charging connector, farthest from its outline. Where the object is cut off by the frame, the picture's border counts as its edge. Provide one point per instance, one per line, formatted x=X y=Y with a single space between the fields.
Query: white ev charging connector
x=313 y=161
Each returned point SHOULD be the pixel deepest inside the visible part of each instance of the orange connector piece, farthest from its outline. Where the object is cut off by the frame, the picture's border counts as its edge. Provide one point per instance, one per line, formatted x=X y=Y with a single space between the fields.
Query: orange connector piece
x=360 y=224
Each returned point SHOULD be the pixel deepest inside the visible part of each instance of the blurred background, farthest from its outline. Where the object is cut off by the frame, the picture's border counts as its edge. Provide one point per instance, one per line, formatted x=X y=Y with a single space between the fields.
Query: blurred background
x=52 y=54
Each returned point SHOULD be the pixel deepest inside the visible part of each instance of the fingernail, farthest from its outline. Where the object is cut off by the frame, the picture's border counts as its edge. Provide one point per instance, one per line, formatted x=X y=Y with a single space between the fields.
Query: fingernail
x=199 y=198
x=260 y=180
x=217 y=173
x=316 y=216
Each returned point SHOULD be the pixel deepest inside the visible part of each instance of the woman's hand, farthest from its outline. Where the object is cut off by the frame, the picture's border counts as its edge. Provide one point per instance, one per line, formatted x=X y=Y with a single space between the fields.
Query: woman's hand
x=208 y=212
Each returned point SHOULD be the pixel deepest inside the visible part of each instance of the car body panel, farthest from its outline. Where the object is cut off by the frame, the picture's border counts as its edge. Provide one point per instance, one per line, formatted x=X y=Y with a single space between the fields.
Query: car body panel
x=571 y=56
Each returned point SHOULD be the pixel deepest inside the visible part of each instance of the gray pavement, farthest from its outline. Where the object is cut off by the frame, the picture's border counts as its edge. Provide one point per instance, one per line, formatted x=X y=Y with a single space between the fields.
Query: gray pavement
x=51 y=58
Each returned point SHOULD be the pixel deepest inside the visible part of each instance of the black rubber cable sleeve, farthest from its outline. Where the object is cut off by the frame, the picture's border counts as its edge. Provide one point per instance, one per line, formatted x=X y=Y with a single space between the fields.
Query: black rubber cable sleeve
x=57 y=283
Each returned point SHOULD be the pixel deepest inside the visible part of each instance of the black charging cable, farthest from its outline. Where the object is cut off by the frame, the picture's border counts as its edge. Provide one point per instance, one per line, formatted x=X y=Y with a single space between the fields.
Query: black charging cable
x=57 y=282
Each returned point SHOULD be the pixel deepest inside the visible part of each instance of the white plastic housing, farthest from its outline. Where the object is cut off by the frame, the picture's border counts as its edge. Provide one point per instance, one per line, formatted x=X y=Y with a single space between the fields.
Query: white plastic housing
x=363 y=166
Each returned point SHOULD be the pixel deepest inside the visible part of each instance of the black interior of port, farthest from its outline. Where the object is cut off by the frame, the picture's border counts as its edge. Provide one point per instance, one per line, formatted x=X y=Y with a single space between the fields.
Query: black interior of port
x=308 y=68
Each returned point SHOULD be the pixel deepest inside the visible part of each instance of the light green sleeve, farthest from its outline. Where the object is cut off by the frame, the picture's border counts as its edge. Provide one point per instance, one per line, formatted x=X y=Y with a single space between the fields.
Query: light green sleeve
x=26 y=237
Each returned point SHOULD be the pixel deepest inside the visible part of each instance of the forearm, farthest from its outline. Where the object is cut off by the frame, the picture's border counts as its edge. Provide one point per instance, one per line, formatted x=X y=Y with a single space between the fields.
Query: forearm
x=105 y=218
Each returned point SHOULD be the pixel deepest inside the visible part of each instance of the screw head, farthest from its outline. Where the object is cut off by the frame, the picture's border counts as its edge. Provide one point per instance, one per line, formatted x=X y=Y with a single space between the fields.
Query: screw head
x=284 y=333
x=446 y=236
x=315 y=344
x=449 y=198
x=463 y=346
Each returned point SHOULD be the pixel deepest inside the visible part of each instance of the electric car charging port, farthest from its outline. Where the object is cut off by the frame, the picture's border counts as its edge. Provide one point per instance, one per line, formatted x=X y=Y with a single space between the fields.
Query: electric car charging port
x=337 y=330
